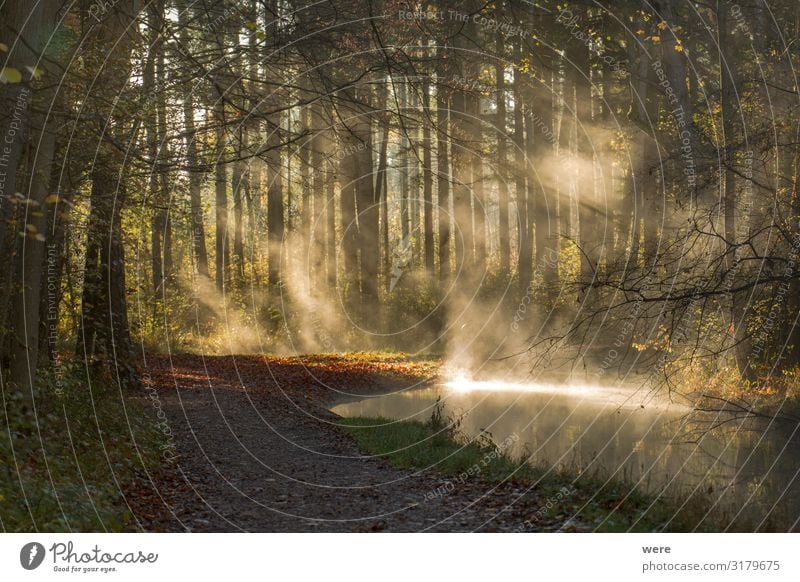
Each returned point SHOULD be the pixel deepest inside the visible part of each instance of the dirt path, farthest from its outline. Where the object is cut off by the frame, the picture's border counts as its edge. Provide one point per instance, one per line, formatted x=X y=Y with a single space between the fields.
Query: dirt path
x=258 y=452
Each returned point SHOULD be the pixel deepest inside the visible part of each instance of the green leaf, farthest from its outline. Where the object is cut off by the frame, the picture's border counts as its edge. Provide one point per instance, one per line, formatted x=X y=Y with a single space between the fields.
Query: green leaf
x=10 y=75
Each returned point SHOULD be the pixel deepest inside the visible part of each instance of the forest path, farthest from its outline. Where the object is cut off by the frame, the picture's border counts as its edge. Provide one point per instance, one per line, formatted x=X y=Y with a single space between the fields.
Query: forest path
x=258 y=451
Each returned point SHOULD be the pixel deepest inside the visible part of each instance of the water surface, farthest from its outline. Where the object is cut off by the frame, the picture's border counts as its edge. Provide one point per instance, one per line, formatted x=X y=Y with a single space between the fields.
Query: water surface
x=617 y=432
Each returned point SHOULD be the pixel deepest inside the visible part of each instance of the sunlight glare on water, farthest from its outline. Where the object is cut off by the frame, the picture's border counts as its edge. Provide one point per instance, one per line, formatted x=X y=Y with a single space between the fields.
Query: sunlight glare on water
x=464 y=384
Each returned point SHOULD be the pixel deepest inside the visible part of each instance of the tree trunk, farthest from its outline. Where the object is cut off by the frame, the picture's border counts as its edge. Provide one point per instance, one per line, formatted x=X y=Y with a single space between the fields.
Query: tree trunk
x=427 y=176
x=443 y=168
x=476 y=191
x=543 y=205
x=587 y=200
x=25 y=349
x=368 y=214
x=221 y=199
x=502 y=177
x=275 y=210
x=239 y=185
x=524 y=217
x=727 y=60
x=17 y=19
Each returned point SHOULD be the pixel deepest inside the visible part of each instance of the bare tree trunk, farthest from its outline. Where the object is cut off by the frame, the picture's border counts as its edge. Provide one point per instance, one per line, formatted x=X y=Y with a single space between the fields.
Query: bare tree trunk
x=239 y=185
x=478 y=202
x=427 y=176
x=565 y=158
x=347 y=175
x=368 y=214
x=152 y=126
x=443 y=168
x=502 y=177
x=193 y=161
x=306 y=190
x=221 y=199
x=404 y=159
x=320 y=176
x=587 y=200
x=332 y=262
x=381 y=185
x=462 y=207
x=524 y=217
x=275 y=209
x=727 y=61
x=543 y=205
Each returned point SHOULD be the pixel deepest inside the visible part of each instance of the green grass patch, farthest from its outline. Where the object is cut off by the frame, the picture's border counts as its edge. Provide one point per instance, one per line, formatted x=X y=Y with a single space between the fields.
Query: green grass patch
x=592 y=502
x=67 y=451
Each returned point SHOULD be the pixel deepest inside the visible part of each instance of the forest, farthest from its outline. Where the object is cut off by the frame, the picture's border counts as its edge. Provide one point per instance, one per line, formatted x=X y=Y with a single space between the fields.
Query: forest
x=318 y=198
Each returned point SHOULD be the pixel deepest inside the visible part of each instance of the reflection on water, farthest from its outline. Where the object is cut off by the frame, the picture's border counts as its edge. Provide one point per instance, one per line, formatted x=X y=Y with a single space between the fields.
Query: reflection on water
x=615 y=432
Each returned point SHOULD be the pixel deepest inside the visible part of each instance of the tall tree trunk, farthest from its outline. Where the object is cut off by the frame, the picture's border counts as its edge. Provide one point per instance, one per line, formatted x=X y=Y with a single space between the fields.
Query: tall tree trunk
x=239 y=186
x=25 y=349
x=322 y=174
x=154 y=138
x=221 y=198
x=192 y=159
x=427 y=176
x=348 y=175
x=524 y=217
x=502 y=176
x=381 y=185
x=566 y=159
x=443 y=166
x=332 y=260
x=727 y=62
x=19 y=26
x=404 y=159
x=476 y=190
x=306 y=190
x=543 y=204
x=460 y=162
x=368 y=213
x=587 y=200
x=104 y=335
x=275 y=209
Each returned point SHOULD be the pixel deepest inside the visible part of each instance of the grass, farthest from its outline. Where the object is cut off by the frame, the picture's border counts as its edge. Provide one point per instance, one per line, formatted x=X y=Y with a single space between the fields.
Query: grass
x=598 y=504
x=67 y=451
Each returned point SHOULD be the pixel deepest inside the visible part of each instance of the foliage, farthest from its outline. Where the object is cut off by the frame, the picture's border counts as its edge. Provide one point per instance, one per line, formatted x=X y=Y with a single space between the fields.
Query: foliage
x=69 y=451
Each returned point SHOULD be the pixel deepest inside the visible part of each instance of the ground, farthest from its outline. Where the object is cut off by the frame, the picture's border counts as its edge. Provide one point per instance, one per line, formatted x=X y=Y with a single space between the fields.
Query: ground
x=260 y=451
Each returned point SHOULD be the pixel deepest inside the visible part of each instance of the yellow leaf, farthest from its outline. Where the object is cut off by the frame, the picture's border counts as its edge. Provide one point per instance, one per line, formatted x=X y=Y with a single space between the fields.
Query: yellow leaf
x=10 y=75
x=662 y=25
x=679 y=48
x=31 y=228
x=52 y=199
x=4 y=48
x=36 y=72
x=655 y=39
x=39 y=237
